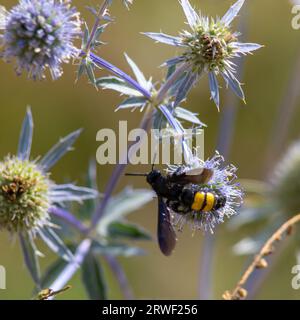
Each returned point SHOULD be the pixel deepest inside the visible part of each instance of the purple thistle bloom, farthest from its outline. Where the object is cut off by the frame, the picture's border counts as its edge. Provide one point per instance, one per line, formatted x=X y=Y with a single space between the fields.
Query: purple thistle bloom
x=40 y=34
x=223 y=181
x=208 y=47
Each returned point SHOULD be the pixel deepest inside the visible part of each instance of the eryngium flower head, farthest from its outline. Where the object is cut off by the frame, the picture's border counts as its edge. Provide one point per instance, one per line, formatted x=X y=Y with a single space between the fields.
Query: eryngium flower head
x=286 y=181
x=208 y=47
x=222 y=182
x=24 y=199
x=26 y=192
x=39 y=34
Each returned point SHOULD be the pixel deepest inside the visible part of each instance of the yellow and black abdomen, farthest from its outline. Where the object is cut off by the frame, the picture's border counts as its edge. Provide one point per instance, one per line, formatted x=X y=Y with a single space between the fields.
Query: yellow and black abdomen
x=196 y=199
x=205 y=201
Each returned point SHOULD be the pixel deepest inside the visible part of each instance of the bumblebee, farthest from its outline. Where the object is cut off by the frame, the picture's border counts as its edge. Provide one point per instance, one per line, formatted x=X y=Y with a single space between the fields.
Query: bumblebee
x=182 y=191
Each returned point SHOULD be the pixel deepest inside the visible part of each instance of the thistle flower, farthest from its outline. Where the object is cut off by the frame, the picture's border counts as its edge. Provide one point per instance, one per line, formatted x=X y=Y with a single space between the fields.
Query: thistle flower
x=221 y=181
x=24 y=196
x=40 y=35
x=208 y=48
x=286 y=181
x=27 y=195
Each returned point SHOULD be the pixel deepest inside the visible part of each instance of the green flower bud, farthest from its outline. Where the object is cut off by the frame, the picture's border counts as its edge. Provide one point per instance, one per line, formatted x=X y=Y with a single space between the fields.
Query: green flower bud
x=24 y=200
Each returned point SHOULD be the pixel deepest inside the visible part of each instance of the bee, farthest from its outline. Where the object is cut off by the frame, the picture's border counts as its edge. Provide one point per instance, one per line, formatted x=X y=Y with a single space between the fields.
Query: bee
x=182 y=191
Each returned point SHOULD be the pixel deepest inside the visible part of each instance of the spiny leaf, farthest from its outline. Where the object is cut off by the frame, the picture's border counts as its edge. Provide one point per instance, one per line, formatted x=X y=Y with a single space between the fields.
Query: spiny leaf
x=55 y=243
x=70 y=192
x=119 y=206
x=117 y=84
x=134 y=102
x=93 y=278
x=165 y=38
x=121 y=229
x=30 y=254
x=137 y=72
x=116 y=249
x=59 y=150
x=185 y=87
x=214 y=88
x=234 y=84
x=190 y=13
x=52 y=272
x=26 y=136
x=232 y=12
x=187 y=115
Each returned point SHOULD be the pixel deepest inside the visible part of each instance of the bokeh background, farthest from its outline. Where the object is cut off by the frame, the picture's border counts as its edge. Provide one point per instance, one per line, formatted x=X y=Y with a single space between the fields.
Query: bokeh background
x=62 y=106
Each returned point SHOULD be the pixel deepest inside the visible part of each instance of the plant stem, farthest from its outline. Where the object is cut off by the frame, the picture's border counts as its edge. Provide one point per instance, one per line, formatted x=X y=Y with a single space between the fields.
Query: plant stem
x=205 y=289
x=170 y=82
x=121 y=277
x=256 y=283
x=85 y=245
x=100 y=15
x=103 y=63
x=266 y=250
x=117 y=173
x=73 y=266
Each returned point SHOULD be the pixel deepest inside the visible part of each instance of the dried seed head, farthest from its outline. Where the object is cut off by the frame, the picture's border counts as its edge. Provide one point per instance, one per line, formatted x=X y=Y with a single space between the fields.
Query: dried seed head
x=269 y=251
x=262 y=264
x=227 y=295
x=290 y=230
x=242 y=293
x=24 y=200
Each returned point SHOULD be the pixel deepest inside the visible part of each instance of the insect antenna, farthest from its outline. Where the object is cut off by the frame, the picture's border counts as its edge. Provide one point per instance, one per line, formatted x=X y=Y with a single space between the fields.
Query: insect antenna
x=136 y=174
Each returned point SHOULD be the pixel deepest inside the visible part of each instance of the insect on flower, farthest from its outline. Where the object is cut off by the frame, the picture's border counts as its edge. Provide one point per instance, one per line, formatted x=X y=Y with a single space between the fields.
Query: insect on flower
x=199 y=195
x=208 y=48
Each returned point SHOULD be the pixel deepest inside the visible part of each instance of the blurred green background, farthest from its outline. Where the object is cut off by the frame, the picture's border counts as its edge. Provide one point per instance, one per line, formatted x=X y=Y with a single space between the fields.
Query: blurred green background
x=62 y=106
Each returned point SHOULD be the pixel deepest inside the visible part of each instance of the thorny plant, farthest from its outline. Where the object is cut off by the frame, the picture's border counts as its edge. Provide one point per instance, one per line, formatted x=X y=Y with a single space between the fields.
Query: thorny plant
x=39 y=36
x=259 y=262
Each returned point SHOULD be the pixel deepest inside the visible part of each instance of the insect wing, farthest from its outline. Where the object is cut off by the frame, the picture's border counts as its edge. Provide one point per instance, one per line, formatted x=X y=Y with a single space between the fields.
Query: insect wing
x=195 y=176
x=165 y=231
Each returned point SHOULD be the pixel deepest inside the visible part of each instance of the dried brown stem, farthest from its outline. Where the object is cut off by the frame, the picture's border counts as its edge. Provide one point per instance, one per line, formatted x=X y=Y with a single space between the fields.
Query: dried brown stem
x=239 y=292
